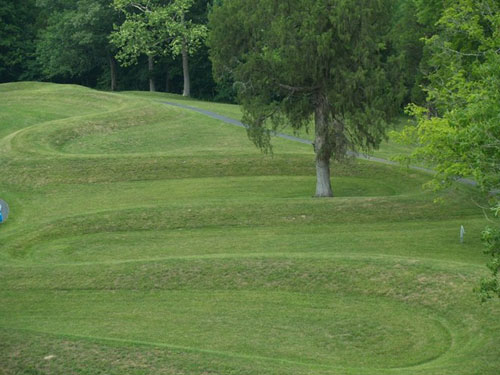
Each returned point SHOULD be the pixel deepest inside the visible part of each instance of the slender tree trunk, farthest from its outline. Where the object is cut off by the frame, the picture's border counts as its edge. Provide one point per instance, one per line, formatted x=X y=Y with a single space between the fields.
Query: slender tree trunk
x=185 y=70
x=322 y=149
x=112 y=68
x=150 y=71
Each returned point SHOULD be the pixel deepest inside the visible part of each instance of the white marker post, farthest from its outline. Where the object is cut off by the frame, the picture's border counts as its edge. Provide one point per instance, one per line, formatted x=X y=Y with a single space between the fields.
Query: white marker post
x=462 y=232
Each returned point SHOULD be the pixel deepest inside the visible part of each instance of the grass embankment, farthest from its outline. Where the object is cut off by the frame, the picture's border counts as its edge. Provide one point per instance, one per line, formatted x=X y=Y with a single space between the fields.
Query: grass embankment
x=146 y=239
x=387 y=149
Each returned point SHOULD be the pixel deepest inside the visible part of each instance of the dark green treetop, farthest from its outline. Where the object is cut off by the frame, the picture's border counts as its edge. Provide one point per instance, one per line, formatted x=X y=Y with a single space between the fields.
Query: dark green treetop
x=18 y=26
x=296 y=60
x=75 y=39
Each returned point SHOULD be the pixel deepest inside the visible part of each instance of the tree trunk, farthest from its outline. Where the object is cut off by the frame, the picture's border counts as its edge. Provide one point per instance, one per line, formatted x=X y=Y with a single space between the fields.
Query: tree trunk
x=322 y=148
x=185 y=70
x=112 y=68
x=323 y=185
x=150 y=71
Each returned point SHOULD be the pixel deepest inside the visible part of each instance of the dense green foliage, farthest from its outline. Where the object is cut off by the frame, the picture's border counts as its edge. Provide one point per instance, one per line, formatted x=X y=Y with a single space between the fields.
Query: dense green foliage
x=148 y=239
x=302 y=51
x=17 y=34
x=406 y=36
x=461 y=135
x=74 y=42
x=297 y=60
x=67 y=41
x=158 y=28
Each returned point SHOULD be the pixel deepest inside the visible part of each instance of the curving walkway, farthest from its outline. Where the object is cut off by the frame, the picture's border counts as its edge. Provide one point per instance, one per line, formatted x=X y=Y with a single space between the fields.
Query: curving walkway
x=232 y=121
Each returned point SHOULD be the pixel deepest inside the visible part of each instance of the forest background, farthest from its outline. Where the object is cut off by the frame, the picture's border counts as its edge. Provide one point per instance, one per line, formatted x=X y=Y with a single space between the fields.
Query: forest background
x=67 y=41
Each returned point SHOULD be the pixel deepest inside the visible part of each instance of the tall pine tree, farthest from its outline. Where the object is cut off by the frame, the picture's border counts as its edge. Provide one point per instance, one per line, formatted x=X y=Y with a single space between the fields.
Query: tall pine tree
x=295 y=60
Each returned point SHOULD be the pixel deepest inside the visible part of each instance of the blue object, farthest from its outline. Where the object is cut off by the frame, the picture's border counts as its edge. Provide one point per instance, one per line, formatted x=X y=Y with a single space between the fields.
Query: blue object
x=4 y=211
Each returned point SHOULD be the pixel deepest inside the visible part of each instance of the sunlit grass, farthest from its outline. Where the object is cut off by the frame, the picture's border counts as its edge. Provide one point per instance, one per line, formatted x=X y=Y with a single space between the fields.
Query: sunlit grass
x=148 y=239
x=388 y=149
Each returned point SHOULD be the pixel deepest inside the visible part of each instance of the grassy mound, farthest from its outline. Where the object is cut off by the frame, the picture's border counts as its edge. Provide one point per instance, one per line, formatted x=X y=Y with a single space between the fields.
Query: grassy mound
x=149 y=239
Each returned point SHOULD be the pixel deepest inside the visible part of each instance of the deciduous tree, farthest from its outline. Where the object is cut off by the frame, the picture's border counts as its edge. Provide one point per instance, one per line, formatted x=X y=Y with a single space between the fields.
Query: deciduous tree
x=75 y=40
x=463 y=137
x=156 y=27
x=18 y=26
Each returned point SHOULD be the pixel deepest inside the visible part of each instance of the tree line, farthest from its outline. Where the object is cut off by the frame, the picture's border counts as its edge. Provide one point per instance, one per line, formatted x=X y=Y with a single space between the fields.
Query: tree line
x=109 y=45
x=159 y=44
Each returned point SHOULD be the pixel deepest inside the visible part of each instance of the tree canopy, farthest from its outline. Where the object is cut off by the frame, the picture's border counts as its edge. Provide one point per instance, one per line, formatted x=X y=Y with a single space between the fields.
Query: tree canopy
x=68 y=42
x=75 y=39
x=461 y=135
x=293 y=60
x=17 y=34
x=158 y=28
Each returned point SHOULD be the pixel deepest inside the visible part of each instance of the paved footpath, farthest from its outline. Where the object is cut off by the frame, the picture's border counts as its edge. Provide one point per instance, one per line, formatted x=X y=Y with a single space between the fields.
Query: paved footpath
x=232 y=121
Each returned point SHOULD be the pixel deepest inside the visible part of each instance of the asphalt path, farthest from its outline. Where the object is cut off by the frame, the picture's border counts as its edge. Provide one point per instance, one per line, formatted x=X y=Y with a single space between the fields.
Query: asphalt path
x=232 y=121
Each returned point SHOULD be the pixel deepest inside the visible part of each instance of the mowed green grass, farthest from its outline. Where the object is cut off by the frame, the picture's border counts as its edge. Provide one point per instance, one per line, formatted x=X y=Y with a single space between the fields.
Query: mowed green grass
x=387 y=148
x=148 y=239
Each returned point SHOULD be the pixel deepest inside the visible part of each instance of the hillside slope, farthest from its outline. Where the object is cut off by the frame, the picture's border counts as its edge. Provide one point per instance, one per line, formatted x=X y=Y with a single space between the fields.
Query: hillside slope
x=149 y=239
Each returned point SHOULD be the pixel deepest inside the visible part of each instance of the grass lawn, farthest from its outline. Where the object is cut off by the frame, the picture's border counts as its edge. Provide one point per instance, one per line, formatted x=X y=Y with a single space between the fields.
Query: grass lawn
x=387 y=148
x=149 y=239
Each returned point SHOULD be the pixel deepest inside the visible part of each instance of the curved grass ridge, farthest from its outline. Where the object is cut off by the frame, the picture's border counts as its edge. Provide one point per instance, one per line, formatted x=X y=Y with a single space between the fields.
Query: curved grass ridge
x=327 y=318
x=147 y=239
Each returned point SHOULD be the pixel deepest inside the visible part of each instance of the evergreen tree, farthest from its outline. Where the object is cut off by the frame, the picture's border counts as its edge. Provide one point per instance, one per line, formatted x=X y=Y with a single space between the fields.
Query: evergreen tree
x=297 y=60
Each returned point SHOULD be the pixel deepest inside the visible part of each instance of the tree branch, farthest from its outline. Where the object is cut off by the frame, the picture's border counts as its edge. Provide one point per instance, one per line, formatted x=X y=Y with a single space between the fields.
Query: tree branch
x=140 y=7
x=295 y=89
